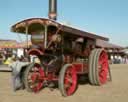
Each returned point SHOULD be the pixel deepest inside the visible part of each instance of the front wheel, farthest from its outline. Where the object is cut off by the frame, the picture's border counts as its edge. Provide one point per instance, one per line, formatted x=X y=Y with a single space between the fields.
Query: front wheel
x=67 y=80
x=33 y=77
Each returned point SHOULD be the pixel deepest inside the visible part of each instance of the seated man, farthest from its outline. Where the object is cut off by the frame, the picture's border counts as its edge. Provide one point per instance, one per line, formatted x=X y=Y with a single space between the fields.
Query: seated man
x=77 y=46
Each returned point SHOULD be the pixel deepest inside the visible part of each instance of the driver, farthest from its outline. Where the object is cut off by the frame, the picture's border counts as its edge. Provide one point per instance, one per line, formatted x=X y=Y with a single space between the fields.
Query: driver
x=53 y=40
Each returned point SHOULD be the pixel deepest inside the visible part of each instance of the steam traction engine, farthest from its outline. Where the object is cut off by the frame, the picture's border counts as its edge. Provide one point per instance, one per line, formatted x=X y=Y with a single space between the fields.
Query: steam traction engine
x=64 y=53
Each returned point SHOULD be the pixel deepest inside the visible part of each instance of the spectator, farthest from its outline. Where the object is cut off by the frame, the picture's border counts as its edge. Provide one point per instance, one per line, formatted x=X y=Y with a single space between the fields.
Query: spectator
x=1 y=59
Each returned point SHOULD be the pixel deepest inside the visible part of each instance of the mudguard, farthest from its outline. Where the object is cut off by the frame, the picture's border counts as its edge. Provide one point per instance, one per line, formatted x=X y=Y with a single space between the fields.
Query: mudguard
x=17 y=67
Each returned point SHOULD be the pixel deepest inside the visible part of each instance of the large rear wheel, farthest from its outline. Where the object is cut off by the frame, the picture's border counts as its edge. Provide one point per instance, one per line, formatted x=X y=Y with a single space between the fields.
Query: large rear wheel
x=67 y=80
x=98 y=67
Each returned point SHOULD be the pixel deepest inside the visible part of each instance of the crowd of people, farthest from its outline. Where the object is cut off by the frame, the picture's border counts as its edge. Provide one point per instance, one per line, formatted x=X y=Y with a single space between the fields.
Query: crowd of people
x=119 y=59
x=8 y=58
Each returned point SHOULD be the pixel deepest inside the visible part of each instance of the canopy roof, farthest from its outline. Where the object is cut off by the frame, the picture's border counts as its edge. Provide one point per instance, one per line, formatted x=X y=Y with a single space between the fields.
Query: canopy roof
x=106 y=44
x=37 y=23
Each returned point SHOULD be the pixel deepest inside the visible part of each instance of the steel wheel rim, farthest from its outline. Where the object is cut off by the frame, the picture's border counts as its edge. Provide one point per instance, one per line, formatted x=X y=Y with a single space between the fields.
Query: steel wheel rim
x=103 y=67
x=35 y=78
x=70 y=80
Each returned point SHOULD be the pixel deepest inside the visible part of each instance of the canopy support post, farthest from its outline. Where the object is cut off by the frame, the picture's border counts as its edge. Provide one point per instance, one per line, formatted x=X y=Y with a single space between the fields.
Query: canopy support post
x=26 y=32
x=45 y=38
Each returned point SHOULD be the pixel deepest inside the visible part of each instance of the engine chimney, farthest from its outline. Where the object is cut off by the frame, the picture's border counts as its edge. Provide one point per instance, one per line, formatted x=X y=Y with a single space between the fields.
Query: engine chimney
x=52 y=9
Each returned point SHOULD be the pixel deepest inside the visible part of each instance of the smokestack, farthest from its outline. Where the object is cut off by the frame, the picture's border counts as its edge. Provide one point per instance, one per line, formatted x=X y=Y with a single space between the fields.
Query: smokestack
x=52 y=9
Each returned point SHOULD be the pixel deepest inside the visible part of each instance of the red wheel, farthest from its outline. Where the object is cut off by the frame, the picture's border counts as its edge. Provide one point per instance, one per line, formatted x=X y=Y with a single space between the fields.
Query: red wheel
x=102 y=64
x=67 y=80
x=98 y=67
x=33 y=78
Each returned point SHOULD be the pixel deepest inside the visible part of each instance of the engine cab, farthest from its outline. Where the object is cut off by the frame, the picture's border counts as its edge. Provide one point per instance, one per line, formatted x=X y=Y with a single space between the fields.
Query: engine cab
x=46 y=38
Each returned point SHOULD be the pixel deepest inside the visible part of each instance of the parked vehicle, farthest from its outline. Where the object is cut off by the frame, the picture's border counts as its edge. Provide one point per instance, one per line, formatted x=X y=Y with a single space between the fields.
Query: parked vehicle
x=64 y=53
